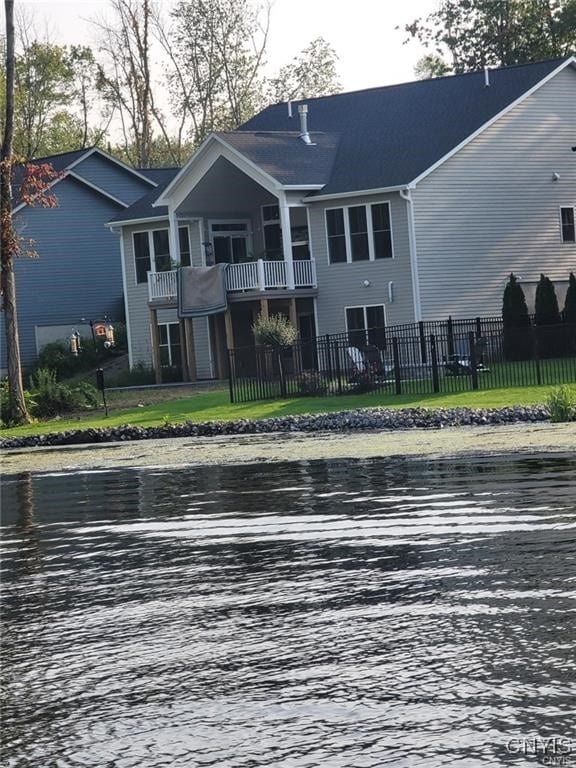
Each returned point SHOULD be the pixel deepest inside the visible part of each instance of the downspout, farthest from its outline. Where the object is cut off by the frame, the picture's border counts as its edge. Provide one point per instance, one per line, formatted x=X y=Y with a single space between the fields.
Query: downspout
x=406 y=194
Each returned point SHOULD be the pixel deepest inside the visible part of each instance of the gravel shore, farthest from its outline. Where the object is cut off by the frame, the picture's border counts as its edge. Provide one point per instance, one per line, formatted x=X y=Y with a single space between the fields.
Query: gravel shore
x=528 y=438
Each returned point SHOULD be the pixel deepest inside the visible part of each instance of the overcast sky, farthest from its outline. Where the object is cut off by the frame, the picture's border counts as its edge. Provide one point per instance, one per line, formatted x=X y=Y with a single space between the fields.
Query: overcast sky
x=370 y=49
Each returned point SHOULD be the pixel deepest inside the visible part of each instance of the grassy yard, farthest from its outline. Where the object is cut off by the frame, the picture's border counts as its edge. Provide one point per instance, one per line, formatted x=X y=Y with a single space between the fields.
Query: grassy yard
x=153 y=407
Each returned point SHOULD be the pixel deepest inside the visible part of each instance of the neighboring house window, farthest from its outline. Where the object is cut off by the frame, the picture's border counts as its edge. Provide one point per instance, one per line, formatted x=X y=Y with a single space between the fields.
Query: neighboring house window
x=272 y=232
x=359 y=233
x=170 y=349
x=366 y=325
x=152 y=251
x=568 y=225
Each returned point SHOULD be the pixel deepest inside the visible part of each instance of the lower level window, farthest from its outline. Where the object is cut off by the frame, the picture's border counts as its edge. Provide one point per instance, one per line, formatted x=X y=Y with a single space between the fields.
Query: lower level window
x=170 y=349
x=568 y=225
x=366 y=325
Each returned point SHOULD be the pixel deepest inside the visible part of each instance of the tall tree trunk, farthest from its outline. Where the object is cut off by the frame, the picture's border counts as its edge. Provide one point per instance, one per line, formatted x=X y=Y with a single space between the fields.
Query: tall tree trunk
x=16 y=410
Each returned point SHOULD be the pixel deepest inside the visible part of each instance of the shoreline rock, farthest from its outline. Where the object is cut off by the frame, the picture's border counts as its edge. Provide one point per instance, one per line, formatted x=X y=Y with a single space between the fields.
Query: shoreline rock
x=365 y=419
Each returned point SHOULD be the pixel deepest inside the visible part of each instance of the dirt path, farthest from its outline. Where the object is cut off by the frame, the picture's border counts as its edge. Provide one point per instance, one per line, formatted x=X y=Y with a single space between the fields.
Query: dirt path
x=249 y=449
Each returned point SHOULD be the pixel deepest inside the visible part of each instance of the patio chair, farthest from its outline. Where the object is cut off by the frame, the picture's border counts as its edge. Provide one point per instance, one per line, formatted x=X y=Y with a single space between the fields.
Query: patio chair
x=358 y=362
x=461 y=365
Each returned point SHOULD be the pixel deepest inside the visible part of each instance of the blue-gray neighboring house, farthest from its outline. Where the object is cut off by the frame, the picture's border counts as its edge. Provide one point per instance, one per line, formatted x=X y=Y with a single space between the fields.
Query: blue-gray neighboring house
x=78 y=272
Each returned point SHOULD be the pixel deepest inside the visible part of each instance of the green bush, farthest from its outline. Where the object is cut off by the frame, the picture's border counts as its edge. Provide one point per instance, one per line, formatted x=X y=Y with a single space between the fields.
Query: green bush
x=275 y=331
x=561 y=404
x=28 y=398
x=52 y=397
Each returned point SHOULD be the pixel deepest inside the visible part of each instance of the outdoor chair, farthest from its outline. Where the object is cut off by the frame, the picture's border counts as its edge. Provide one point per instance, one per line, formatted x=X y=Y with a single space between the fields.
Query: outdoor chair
x=461 y=365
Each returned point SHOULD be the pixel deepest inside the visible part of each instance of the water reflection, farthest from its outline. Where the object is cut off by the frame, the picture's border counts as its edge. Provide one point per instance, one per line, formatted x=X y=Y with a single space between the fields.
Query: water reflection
x=342 y=613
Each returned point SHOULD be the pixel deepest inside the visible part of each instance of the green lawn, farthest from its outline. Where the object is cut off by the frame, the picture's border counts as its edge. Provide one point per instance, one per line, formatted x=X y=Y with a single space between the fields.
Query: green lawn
x=214 y=405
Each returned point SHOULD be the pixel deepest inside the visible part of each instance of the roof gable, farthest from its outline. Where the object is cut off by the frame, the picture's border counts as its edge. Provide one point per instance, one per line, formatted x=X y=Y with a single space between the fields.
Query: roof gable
x=83 y=165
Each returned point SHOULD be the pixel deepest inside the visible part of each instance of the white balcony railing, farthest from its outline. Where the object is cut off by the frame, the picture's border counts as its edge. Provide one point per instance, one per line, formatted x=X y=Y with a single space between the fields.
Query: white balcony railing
x=251 y=276
x=162 y=285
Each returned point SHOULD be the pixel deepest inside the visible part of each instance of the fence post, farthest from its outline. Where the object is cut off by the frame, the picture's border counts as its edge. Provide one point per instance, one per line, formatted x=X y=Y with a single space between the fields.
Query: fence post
x=536 y=355
x=328 y=355
x=338 y=369
x=473 y=361
x=449 y=337
x=396 y=357
x=478 y=328
x=230 y=384
x=423 y=351
x=434 y=356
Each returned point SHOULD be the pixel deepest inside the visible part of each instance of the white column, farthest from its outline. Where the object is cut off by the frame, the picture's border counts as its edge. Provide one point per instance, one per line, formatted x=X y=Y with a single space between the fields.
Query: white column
x=261 y=275
x=174 y=238
x=286 y=239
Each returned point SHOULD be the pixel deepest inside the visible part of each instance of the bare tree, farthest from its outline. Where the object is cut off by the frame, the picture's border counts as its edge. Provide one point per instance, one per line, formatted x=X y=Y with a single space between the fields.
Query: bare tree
x=216 y=49
x=125 y=79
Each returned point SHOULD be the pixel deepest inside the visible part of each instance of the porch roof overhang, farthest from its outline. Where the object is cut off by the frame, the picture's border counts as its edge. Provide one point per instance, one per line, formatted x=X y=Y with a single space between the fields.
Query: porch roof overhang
x=268 y=160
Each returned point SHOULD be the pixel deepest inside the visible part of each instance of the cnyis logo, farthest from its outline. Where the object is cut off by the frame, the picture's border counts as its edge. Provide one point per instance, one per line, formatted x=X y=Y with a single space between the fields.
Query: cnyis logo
x=552 y=750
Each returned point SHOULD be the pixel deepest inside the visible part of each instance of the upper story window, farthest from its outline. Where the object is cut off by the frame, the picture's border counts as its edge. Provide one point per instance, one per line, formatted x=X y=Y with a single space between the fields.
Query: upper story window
x=359 y=233
x=567 y=225
x=152 y=251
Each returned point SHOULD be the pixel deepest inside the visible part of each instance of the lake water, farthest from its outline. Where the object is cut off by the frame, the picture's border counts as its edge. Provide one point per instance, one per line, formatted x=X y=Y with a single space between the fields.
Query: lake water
x=342 y=614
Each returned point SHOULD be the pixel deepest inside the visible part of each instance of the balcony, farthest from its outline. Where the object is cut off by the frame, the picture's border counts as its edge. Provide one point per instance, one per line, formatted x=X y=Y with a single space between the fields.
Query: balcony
x=251 y=276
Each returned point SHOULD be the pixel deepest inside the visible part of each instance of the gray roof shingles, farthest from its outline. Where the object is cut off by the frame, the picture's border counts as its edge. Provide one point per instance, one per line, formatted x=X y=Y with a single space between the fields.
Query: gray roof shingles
x=370 y=139
x=285 y=157
x=390 y=135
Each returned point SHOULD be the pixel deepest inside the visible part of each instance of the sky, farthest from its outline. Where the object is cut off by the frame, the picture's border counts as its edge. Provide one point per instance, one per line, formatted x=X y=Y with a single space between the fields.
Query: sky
x=370 y=49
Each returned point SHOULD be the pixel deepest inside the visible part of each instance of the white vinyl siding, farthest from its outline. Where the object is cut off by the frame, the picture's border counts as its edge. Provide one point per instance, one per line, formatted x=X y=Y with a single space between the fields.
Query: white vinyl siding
x=138 y=311
x=493 y=208
x=362 y=283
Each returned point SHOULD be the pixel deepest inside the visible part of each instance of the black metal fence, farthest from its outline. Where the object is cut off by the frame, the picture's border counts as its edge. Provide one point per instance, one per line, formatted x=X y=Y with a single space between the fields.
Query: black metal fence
x=420 y=358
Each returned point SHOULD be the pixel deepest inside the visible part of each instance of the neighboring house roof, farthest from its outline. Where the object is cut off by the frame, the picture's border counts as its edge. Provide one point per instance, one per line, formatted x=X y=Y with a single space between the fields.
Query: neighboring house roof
x=65 y=163
x=285 y=157
x=143 y=208
x=158 y=175
x=390 y=136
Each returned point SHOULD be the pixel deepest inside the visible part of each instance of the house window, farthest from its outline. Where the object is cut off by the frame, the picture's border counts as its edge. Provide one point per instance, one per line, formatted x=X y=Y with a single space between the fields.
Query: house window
x=141 y=256
x=169 y=346
x=567 y=225
x=272 y=232
x=381 y=230
x=152 y=251
x=336 y=235
x=358 y=222
x=184 y=238
x=366 y=325
x=230 y=241
x=359 y=233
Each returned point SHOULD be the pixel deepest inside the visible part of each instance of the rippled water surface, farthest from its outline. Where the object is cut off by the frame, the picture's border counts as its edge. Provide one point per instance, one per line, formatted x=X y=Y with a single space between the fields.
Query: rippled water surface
x=342 y=614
